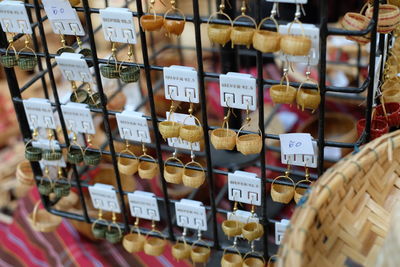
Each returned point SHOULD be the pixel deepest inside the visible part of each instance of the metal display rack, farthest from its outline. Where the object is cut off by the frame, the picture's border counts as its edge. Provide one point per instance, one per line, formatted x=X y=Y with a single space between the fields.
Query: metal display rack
x=214 y=236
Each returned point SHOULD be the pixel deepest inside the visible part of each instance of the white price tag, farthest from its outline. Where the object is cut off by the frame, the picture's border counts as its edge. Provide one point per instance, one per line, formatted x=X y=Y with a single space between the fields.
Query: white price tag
x=39 y=113
x=178 y=142
x=63 y=18
x=104 y=197
x=312 y=32
x=46 y=144
x=242 y=216
x=238 y=90
x=133 y=126
x=144 y=205
x=74 y=67
x=118 y=25
x=78 y=118
x=280 y=228
x=244 y=187
x=191 y=214
x=14 y=18
x=181 y=84
x=296 y=143
x=289 y=1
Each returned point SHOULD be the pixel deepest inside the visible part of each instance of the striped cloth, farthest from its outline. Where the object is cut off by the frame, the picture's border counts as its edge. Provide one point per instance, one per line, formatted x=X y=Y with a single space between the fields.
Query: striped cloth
x=22 y=246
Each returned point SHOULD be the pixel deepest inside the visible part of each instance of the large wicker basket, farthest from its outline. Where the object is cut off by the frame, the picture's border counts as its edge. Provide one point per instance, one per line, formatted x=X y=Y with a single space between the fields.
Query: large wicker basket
x=345 y=217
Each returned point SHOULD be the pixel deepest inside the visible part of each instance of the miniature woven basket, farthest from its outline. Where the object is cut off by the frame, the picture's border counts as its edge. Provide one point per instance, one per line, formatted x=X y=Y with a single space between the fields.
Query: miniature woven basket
x=267 y=41
x=356 y=22
x=243 y=35
x=388 y=19
x=295 y=45
x=219 y=33
x=43 y=221
x=283 y=94
x=346 y=216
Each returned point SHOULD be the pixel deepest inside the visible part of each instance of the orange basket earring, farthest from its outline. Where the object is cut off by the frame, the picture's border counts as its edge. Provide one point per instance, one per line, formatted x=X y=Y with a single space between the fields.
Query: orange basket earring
x=172 y=26
x=152 y=22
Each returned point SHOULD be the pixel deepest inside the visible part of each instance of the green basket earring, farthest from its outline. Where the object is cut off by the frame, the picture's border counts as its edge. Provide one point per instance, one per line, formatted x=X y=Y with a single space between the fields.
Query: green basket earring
x=79 y=96
x=130 y=74
x=51 y=154
x=45 y=188
x=75 y=156
x=113 y=234
x=27 y=63
x=33 y=153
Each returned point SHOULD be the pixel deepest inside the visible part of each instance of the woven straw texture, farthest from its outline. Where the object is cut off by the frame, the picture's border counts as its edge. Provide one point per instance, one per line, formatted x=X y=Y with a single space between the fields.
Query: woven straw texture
x=346 y=216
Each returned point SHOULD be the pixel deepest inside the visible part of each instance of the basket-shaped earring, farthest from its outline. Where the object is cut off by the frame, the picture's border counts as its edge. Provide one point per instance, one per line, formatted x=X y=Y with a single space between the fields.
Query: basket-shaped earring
x=172 y=26
x=231 y=259
x=224 y=138
x=128 y=166
x=308 y=98
x=200 y=254
x=62 y=186
x=300 y=191
x=43 y=221
x=113 y=233
x=10 y=60
x=191 y=133
x=64 y=48
x=33 y=153
x=356 y=22
x=389 y=17
x=282 y=193
x=75 y=156
x=151 y=22
x=134 y=242
x=45 y=187
x=98 y=229
x=51 y=154
x=248 y=144
x=232 y=228
x=147 y=169
x=283 y=94
x=181 y=250
x=219 y=33
x=267 y=41
x=257 y=261
x=295 y=45
x=173 y=174
x=252 y=231
x=169 y=128
x=90 y=157
x=109 y=70
x=86 y=52
x=78 y=95
x=243 y=35
x=193 y=178
x=27 y=62
x=130 y=74
x=154 y=246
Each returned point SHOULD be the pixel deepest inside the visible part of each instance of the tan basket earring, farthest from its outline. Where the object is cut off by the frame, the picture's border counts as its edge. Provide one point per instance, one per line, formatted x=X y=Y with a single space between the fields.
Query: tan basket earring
x=219 y=33
x=281 y=93
x=296 y=45
x=181 y=251
x=308 y=98
x=173 y=174
x=267 y=41
x=257 y=261
x=134 y=241
x=282 y=193
x=200 y=254
x=232 y=228
x=248 y=144
x=243 y=35
x=169 y=128
x=128 y=166
x=172 y=26
x=224 y=138
x=299 y=191
x=191 y=133
x=193 y=178
x=232 y=259
x=147 y=169
x=154 y=246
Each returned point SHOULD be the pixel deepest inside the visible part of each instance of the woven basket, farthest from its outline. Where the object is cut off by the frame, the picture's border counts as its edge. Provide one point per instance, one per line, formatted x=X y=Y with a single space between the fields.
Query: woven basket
x=296 y=45
x=191 y=133
x=388 y=19
x=378 y=127
x=283 y=94
x=126 y=165
x=147 y=170
x=169 y=129
x=43 y=221
x=252 y=231
x=218 y=33
x=243 y=35
x=248 y=144
x=356 y=22
x=308 y=98
x=282 y=193
x=174 y=27
x=267 y=41
x=133 y=242
x=151 y=22
x=390 y=83
x=223 y=138
x=193 y=178
x=24 y=173
x=231 y=228
x=180 y=251
x=346 y=216
x=154 y=246
x=231 y=260
x=173 y=174
x=200 y=254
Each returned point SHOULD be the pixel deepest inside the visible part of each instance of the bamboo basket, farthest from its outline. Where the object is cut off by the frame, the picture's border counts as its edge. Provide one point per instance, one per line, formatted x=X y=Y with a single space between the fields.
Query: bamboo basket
x=346 y=216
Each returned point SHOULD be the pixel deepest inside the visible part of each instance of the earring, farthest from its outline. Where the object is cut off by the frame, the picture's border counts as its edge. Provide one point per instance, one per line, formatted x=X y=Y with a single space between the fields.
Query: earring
x=45 y=188
x=200 y=254
x=232 y=228
x=91 y=158
x=78 y=95
x=224 y=138
x=152 y=22
x=267 y=41
x=154 y=246
x=130 y=74
x=248 y=143
x=62 y=186
x=298 y=191
x=232 y=259
x=111 y=71
x=75 y=156
x=113 y=232
x=169 y=128
x=10 y=61
x=51 y=154
x=94 y=100
x=147 y=169
x=86 y=52
x=181 y=251
x=257 y=261
x=126 y=165
x=283 y=94
x=33 y=153
x=219 y=33
x=99 y=230
x=308 y=98
x=252 y=230
x=134 y=242
x=174 y=27
x=173 y=174
x=193 y=178
x=283 y=193
x=27 y=62
x=243 y=35
x=64 y=48
x=191 y=133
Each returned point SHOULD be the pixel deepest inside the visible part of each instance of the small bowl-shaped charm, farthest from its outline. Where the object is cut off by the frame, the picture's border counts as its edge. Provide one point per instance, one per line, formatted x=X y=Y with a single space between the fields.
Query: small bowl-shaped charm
x=219 y=34
x=223 y=138
x=231 y=228
x=74 y=156
x=252 y=231
x=8 y=61
x=193 y=178
x=295 y=45
x=282 y=94
x=113 y=235
x=151 y=22
x=33 y=153
x=65 y=49
x=231 y=260
x=267 y=41
x=191 y=133
x=242 y=36
x=86 y=52
x=27 y=63
x=94 y=100
x=308 y=99
x=110 y=71
x=154 y=246
x=130 y=74
x=99 y=231
x=253 y=262
x=51 y=155
x=45 y=188
x=79 y=96
x=200 y=254
x=169 y=129
x=180 y=251
x=174 y=27
x=146 y=169
x=133 y=242
x=249 y=144
x=91 y=158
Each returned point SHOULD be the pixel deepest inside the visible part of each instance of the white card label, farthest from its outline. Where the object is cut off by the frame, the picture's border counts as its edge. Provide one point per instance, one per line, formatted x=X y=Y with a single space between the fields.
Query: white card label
x=47 y=144
x=181 y=84
x=78 y=118
x=178 y=142
x=280 y=228
x=14 y=18
x=63 y=18
x=144 y=205
x=118 y=25
x=296 y=143
x=133 y=126
x=242 y=216
x=104 y=198
x=244 y=187
x=238 y=90
x=312 y=32
x=191 y=214
x=74 y=67
x=39 y=113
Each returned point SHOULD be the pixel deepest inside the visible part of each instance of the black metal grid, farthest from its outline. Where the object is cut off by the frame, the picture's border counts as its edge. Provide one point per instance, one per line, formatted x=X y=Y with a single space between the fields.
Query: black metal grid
x=214 y=235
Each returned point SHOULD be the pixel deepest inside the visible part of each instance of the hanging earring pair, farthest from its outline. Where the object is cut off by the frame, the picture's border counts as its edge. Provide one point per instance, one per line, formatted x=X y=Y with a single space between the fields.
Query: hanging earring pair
x=110 y=231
